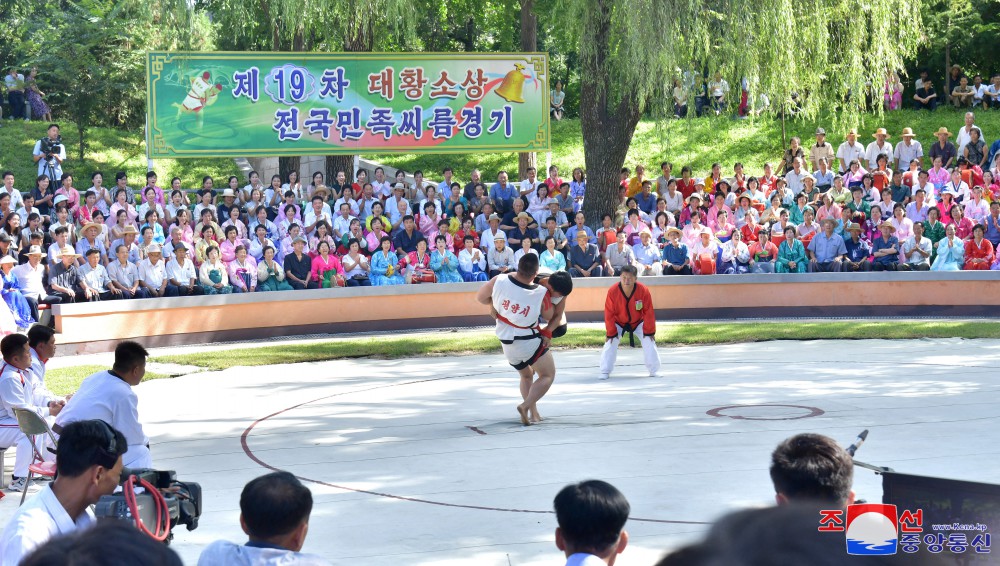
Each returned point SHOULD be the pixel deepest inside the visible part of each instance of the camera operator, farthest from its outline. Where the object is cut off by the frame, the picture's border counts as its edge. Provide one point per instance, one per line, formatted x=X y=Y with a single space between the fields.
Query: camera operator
x=274 y=513
x=49 y=153
x=108 y=396
x=88 y=465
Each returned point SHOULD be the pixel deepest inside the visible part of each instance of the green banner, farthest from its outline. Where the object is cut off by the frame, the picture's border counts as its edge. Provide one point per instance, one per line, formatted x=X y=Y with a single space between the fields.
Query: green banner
x=266 y=104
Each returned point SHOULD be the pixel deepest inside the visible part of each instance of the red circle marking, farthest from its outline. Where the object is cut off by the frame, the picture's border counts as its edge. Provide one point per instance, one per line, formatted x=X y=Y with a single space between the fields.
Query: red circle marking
x=252 y=456
x=813 y=412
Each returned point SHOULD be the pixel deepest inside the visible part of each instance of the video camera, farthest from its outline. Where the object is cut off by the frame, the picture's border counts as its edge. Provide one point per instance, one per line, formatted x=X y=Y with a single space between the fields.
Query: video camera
x=50 y=146
x=163 y=504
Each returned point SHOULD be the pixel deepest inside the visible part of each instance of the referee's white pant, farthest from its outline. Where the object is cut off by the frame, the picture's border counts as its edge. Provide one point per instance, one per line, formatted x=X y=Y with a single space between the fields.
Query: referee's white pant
x=649 y=352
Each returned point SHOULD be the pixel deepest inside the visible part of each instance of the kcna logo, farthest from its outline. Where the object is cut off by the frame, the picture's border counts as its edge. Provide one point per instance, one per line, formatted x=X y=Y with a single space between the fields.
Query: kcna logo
x=872 y=528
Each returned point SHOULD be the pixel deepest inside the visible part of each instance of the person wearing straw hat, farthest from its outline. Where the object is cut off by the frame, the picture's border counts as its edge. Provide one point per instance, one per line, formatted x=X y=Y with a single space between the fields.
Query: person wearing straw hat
x=858 y=251
x=30 y=277
x=944 y=148
x=153 y=274
x=881 y=146
x=64 y=278
x=129 y=236
x=907 y=150
x=647 y=254
x=885 y=248
x=90 y=241
x=94 y=279
x=821 y=150
x=675 y=256
x=850 y=150
x=629 y=309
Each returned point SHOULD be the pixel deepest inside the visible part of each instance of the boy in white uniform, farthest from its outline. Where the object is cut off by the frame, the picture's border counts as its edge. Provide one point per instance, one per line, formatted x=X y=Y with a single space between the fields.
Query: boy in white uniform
x=517 y=303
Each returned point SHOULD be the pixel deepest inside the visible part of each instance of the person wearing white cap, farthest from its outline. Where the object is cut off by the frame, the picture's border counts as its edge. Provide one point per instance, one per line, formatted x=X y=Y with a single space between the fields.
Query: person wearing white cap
x=647 y=255
x=181 y=272
x=95 y=281
x=878 y=147
x=153 y=274
x=29 y=281
x=64 y=279
x=124 y=273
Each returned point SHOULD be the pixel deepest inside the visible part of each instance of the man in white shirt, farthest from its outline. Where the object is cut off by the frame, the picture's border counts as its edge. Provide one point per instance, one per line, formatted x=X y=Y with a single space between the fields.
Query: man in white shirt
x=850 y=150
x=89 y=465
x=17 y=392
x=274 y=513
x=964 y=133
x=392 y=204
x=15 y=195
x=878 y=147
x=94 y=279
x=181 y=273
x=153 y=274
x=125 y=275
x=917 y=250
x=342 y=223
x=908 y=150
x=530 y=185
x=318 y=211
x=794 y=177
x=821 y=150
x=992 y=94
x=30 y=278
x=978 y=91
x=108 y=396
x=42 y=347
x=50 y=164
x=591 y=517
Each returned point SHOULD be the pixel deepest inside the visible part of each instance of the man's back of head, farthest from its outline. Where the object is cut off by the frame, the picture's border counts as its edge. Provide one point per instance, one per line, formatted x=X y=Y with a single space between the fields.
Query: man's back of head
x=108 y=542
x=527 y=267
x=274 y=507
x=591 y=516
x=812 y=467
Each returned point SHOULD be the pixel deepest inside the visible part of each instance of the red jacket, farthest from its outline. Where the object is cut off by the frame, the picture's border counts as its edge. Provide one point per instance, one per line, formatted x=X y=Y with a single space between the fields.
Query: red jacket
x=629 y=312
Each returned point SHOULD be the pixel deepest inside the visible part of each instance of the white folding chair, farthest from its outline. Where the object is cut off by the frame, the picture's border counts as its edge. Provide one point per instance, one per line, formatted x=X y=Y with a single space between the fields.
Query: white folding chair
x=33 y=425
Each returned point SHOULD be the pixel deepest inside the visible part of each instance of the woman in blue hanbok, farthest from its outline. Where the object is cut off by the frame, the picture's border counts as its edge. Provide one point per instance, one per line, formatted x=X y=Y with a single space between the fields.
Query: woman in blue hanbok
x=12 y=296
x=384 y=265
x=444 y=262
x=950 y=252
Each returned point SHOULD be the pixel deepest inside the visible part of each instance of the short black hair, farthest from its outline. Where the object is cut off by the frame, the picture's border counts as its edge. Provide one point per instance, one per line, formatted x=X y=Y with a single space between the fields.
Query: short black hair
x=630 y=269
x=107 y=542
x=527 y=266
x=591 y=515
x=12 y=344
x=561 y=282
x=83 y=444
x=128 y=355
x=39 y=334
x=274 y=504
x=813 y=467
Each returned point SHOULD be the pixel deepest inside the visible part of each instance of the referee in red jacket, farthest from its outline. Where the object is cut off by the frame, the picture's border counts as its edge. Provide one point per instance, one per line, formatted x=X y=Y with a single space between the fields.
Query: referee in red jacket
x=629 y=309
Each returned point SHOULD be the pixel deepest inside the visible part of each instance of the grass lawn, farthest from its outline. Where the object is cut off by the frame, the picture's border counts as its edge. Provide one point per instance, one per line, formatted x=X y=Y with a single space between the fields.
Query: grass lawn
x=64 y=381
x=485 y=342
x=108 y=150
x=699 y=142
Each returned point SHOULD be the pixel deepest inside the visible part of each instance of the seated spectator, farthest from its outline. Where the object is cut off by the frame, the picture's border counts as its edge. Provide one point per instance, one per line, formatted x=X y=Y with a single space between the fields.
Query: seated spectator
x=500 y=258
x=584 y=258
x=108 y=396
x=108 y=542
x=962 y=94
x=618 y=255
x=12 y=297
x=551 y=258
x=979 y=252
x=826 y=249
x=274 y=513
x=64 y=279
x=591 y=517
x=791 y=254
x=355 y=264
x=646 y=255
x=735 y=255
x=182 y=274
x=916 y=251
x=704 y=255
x=444 y=263
x=384 y=264
x=212 y=276
x=858 y=250
x=950 y=252
x=243 y=271
x=153 y=274
x=298 y=266
x=675 y=254
x=418 y=265
x=885 y=249
x=88 y=466
x=763 y=253
x=95 y=283
x=406 y=239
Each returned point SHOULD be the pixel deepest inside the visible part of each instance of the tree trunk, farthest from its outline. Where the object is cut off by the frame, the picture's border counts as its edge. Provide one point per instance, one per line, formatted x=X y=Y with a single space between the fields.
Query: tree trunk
x=529 y=44
x=362 y=40
x=83 y=143
x=607 y=126
x=947 y=73
x=288 y=164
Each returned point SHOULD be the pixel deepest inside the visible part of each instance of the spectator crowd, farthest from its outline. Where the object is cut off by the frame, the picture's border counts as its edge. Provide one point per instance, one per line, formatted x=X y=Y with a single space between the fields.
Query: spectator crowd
x=886 y=205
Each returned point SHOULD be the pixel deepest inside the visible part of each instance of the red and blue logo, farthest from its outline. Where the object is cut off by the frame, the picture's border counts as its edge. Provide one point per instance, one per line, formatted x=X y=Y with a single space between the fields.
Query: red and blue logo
x=872 y=529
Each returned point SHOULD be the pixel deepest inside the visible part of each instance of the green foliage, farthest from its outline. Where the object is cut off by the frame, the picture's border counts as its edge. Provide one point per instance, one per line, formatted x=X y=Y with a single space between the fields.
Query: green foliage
x=967 y=29
x=64 y=381
x=698 y=142
x=108 y=150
